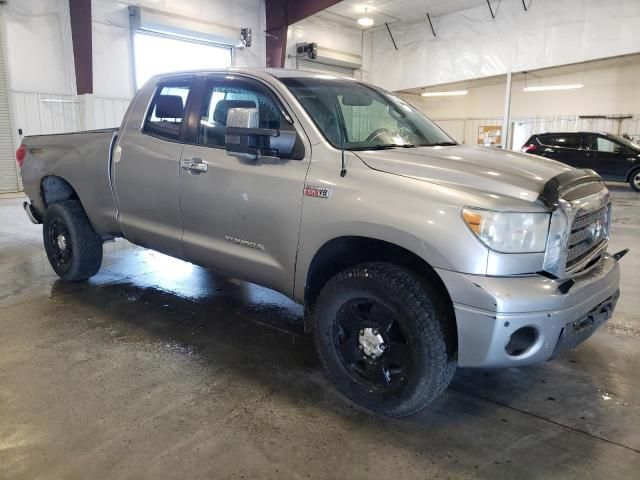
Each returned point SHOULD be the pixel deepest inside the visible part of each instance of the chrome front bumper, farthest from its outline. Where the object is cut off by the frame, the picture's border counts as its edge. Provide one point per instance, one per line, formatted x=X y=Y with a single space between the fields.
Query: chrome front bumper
x=490 y=309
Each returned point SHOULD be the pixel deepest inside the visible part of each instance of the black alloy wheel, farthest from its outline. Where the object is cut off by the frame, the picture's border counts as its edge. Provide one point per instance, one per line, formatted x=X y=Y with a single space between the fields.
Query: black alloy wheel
x=60 y=241
x=371 y=344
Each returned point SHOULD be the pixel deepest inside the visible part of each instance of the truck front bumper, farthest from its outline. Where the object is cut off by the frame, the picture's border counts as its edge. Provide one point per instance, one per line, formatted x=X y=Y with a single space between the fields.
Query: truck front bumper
x=516 y=321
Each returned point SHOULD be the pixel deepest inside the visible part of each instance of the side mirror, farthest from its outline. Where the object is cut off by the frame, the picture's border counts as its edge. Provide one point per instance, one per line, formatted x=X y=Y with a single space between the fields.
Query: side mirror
x=618 y=150
x=244 y=138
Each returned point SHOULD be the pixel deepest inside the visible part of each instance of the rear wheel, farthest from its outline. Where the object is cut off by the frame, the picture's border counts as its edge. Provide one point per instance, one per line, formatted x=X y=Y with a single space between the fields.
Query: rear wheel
x=379 y=333
x=73 y=247
x=634 y=180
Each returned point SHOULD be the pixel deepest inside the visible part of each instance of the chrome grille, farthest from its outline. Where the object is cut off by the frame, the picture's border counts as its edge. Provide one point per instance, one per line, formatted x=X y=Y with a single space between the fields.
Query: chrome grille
x=588 y=234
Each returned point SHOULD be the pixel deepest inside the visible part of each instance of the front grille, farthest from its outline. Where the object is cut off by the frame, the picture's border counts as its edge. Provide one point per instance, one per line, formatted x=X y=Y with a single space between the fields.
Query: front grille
x=589 y=232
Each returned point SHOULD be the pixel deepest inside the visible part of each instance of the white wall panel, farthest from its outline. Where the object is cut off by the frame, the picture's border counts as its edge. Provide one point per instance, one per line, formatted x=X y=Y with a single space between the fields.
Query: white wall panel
x=39 y=48
x=9 y=181
x=465 y=130
x=102 y=112
x=336 y=39
x=470 y=44
x=42 y=113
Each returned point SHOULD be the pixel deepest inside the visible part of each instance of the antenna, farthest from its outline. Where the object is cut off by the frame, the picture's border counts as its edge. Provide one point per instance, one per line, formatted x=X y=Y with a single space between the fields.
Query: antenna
x=343 y=171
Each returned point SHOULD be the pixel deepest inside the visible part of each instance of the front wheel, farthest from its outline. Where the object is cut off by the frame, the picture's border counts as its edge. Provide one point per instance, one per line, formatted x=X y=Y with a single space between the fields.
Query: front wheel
x=380 y=334
x=634 y=180
x=73 y=247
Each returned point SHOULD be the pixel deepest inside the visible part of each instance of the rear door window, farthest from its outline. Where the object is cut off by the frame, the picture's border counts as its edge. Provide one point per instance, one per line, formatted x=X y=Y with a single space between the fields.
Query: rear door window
x=167 y=111
x=566 y=140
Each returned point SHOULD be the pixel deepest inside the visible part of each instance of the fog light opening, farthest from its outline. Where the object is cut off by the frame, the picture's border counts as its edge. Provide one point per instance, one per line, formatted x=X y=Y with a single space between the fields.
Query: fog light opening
x=521 y=340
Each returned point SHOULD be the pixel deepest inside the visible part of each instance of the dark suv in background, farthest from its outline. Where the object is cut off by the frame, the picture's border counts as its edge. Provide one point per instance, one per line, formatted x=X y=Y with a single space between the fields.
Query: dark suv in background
x=612 y=156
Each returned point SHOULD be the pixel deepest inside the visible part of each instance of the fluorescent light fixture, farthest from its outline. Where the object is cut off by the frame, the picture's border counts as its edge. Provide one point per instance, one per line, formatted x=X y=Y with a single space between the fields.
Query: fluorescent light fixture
x=452 y=93
x=365 y=21
x=545 y=88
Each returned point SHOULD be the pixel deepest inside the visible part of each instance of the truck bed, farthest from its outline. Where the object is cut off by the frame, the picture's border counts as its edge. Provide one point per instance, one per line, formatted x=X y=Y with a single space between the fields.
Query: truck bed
x=79 y=159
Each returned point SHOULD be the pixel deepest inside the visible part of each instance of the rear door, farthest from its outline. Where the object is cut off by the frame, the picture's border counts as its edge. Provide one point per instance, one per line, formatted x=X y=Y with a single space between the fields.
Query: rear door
x=241 y=216
x=563 y=147
x=146 y=172
x=606 y=156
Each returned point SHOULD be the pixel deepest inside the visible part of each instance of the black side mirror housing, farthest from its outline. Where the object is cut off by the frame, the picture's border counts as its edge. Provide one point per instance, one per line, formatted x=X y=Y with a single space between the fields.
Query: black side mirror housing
x=243 y=138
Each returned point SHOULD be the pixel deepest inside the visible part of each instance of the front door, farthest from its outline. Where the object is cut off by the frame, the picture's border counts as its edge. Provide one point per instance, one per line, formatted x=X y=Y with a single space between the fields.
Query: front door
x=146 y=171
x=241 y=216
x=607 y=157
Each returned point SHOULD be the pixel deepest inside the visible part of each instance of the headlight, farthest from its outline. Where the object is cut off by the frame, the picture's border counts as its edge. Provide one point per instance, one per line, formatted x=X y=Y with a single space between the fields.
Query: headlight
x=509 y=232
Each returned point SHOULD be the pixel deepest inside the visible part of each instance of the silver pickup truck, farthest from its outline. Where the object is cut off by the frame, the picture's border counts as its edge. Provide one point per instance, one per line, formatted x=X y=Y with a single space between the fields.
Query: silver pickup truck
x=411 y=253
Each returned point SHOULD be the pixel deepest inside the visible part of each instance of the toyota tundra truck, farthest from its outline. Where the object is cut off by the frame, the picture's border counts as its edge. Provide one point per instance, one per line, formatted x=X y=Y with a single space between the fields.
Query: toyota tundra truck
x=411 y=253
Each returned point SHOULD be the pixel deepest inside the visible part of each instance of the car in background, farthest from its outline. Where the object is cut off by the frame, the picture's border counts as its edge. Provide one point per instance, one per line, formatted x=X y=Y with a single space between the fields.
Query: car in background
x=613 y=157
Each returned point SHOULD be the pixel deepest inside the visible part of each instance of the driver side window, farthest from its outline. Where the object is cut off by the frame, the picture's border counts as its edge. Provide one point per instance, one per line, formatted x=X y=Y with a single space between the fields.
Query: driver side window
x=223 y=95
x=601 y=144
x=604 y=145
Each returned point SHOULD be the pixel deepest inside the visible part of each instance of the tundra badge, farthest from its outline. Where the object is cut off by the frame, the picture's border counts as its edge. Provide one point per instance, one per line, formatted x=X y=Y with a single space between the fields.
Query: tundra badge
x=244 y=243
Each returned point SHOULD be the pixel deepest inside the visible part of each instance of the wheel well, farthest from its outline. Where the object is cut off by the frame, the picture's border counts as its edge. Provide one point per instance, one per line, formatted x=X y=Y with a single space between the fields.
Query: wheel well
x=345 y=252
x=631 y=173
x=56 y=189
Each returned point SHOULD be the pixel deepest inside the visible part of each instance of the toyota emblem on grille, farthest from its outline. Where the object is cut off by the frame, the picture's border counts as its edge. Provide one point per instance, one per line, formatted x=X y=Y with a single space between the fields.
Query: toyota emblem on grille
x=595 y=231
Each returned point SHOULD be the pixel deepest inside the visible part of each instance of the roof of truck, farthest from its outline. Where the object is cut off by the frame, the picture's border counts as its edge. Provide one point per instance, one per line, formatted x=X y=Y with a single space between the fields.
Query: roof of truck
x=275 y=72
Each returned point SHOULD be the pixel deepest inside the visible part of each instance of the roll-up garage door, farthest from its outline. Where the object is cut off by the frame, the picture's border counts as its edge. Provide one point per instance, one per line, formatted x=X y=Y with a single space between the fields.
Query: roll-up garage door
x=8 y=171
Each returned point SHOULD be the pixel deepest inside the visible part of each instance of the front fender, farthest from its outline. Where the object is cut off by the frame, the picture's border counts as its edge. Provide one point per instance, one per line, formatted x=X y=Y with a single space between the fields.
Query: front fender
x=420 y=217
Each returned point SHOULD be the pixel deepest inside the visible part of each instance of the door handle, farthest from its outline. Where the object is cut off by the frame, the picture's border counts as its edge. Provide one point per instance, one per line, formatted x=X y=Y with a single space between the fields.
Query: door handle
x=194 y=165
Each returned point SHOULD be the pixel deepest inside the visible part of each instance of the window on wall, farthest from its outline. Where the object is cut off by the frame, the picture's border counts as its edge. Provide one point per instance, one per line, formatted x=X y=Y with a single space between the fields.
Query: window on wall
x=161 y=54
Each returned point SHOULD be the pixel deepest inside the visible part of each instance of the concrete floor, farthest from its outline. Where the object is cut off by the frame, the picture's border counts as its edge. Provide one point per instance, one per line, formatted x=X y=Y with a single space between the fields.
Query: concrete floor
x=160 y=369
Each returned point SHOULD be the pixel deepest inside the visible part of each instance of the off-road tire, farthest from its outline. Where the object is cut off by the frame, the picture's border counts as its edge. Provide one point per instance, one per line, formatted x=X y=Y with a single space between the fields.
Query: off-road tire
x=422 y=313
x=85 y=245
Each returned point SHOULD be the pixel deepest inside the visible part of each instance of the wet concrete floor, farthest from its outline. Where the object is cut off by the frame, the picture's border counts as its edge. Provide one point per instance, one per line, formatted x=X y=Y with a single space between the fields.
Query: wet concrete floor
x=156 y=368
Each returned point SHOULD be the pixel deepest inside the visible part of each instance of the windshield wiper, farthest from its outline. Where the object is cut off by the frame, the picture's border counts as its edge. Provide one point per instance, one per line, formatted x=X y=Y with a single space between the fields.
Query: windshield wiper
x=385 y=146
x=438 y=144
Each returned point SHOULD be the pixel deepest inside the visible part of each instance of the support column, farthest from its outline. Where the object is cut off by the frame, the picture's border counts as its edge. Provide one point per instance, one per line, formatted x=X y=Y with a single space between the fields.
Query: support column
x=80 y=13
x=506 y=119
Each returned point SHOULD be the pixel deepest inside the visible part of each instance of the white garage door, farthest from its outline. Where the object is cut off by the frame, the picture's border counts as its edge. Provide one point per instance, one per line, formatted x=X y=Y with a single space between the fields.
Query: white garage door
x=8 y=172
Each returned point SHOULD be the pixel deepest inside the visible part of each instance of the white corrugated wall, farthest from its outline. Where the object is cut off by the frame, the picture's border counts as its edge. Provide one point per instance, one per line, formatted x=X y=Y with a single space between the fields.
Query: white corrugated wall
x=465 y=130
x=8 y=172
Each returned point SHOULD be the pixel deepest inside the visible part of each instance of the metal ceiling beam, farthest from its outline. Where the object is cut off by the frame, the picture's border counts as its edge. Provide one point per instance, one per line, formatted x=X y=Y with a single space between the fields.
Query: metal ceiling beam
x=279 y=15
x=80 y=13
x=430 y=24
x=491 y=9
x=391 y=36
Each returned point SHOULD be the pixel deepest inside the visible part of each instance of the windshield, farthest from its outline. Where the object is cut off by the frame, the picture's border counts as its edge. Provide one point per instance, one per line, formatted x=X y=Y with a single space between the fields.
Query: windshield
x=362 y=117
x=626 y=142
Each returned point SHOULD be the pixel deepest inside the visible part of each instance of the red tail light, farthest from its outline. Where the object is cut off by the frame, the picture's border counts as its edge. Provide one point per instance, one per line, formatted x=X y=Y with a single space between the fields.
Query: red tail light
x=531 y=148
x=20 y=154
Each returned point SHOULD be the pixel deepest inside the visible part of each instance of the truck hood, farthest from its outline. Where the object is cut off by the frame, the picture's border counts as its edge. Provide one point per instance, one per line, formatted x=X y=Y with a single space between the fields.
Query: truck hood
x=480 y=168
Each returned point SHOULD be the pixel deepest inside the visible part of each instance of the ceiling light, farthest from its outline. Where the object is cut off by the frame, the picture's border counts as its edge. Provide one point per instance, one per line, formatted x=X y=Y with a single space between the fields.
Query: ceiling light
x=452 y=93
x=544 y=88
x=365 y=21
